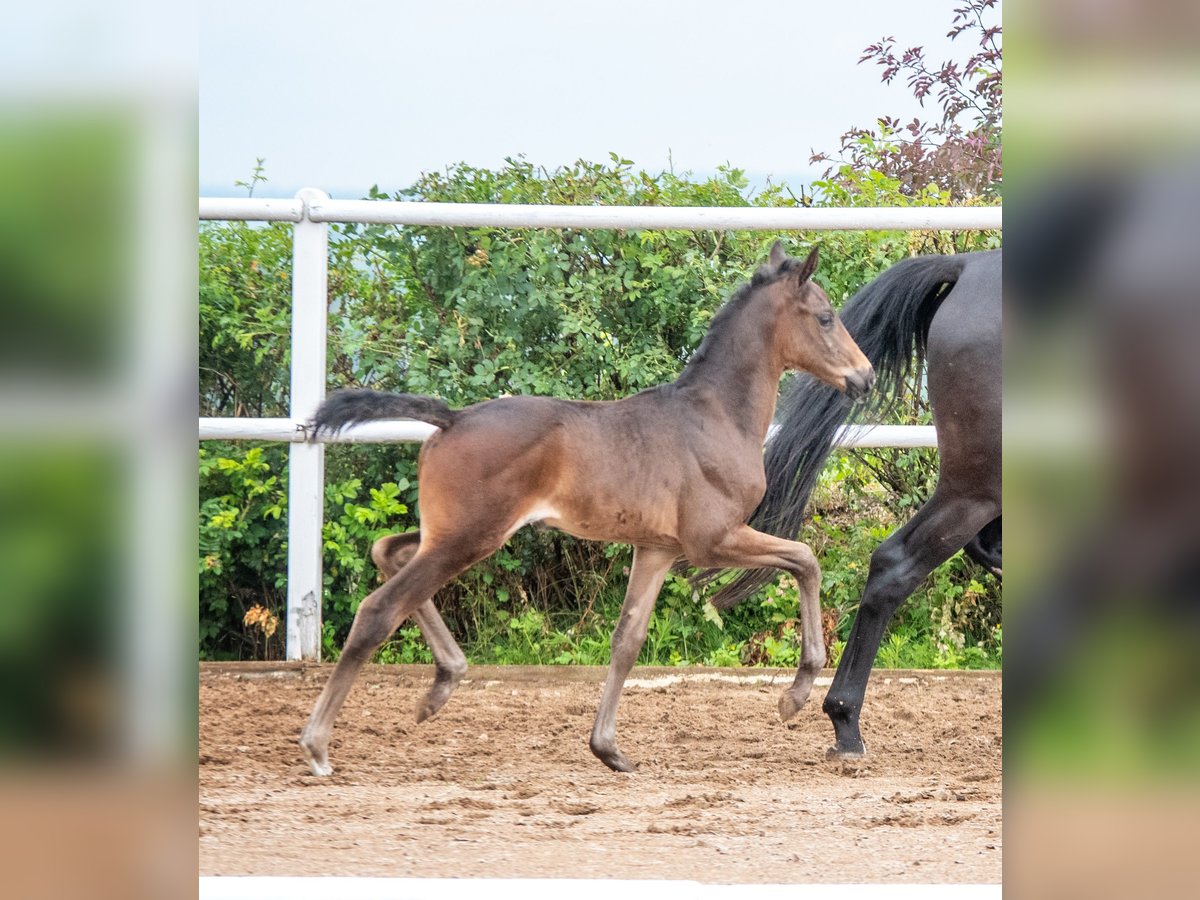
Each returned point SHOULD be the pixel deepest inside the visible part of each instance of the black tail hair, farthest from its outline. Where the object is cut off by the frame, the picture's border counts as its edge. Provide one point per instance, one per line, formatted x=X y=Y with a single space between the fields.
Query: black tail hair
x=889 y=320
x=346 y=407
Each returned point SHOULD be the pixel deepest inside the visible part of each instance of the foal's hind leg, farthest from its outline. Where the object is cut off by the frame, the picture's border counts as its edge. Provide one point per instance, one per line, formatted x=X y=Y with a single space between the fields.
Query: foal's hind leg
x=378 y=616
x=938 y=530
x=391 y=554
x=746 y=548
x=646 y=576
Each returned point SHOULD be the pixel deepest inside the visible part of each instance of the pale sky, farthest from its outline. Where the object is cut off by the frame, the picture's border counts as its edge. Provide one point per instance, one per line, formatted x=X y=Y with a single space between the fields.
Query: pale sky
x=342 y=95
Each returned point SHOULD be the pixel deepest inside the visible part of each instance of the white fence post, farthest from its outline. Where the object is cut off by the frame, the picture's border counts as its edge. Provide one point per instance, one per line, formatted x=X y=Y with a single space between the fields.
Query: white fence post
x=306 y=463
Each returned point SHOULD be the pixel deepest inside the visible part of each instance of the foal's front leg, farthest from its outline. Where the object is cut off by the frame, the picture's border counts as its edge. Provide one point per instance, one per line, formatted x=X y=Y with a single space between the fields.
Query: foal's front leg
x=650 y=566
x=745 y=548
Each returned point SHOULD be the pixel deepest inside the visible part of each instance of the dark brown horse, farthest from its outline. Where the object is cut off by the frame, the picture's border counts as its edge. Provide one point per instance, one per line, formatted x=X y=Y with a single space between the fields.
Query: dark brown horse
x=943 y=311
x=674 y=470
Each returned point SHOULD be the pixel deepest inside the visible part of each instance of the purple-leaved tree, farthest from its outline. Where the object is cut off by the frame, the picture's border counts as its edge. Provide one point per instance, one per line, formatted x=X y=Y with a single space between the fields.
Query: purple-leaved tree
x=959 y=152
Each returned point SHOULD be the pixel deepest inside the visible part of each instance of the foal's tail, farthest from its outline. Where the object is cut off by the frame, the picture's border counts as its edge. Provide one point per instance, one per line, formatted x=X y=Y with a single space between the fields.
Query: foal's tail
x=889 y=320
x=347 y=407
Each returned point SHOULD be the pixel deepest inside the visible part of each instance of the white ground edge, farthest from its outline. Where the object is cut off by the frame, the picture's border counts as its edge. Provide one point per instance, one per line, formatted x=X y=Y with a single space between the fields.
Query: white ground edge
x=328 y=888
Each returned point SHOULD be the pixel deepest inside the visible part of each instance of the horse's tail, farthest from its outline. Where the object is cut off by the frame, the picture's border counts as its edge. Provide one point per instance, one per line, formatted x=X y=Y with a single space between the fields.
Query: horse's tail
x=889 y=320
x=347 y=407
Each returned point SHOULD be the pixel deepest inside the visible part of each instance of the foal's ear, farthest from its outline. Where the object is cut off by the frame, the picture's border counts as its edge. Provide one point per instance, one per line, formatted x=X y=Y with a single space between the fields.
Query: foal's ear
x=778 y=255
x=810 y=265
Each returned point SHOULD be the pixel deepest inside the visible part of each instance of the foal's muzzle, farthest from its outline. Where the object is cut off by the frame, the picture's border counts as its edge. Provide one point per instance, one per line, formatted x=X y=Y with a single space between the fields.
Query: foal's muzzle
x=859 y=382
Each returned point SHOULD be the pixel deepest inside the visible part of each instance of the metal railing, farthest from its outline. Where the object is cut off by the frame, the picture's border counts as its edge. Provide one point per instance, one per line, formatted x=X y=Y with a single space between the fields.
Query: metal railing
x=311 y=210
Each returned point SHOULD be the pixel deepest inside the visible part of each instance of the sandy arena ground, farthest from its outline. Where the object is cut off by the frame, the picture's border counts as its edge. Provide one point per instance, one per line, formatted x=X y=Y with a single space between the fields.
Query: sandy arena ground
x=502 y=784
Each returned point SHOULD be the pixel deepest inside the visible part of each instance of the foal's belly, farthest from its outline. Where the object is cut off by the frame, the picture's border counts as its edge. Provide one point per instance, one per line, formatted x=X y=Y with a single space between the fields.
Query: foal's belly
x=616 y=524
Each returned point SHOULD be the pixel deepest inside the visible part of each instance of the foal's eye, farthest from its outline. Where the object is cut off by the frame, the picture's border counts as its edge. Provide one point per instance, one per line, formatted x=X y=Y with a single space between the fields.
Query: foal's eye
x=825 y=319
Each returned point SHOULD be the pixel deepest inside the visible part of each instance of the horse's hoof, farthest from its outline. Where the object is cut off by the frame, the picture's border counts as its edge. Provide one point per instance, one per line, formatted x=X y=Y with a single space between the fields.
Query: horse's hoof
x=444 y=684
x=318 y=761
x=614 y=759
x=796 y=695
x=789 y=705
x=846 y=755
x=433 y=702
x=619 y=763
x=430 y=706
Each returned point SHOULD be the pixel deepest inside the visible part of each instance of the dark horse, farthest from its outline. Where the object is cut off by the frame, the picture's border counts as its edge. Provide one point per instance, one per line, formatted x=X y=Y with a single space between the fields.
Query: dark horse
x=946 y=310
x=675 y=471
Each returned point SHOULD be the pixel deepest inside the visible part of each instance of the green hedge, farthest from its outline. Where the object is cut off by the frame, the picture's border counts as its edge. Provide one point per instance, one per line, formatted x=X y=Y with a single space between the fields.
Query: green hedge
x=467 y=314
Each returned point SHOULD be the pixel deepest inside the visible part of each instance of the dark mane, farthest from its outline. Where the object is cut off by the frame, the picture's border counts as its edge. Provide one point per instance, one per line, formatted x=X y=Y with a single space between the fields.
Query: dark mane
x=723 y=319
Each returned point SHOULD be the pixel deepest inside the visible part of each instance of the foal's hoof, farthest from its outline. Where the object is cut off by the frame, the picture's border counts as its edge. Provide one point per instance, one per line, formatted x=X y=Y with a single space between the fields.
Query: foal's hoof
x=789 y=705
x=318 y=760
x=443 y=686
x=433 y=701
x=614 y=759
x=795 y=697
x=618 y=762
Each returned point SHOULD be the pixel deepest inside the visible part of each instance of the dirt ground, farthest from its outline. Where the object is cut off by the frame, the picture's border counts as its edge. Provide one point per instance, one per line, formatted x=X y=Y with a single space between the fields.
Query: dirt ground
x=502 y=784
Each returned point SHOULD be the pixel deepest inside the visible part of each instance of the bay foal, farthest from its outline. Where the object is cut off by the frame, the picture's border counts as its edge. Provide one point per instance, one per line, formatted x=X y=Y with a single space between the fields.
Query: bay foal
x=675 y=471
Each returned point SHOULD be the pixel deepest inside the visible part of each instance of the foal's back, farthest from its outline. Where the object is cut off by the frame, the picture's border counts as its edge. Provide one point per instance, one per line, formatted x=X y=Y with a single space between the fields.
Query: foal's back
x=603 y=470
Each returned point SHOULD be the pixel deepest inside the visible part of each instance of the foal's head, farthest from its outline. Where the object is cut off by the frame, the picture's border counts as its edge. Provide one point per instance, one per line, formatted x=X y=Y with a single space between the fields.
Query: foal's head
x=809 y=336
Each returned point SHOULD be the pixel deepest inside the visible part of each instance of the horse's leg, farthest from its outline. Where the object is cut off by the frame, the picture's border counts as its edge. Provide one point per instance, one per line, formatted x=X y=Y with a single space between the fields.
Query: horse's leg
x=938 y=530
x=451 y=662
x=985 y=547
x=391 y=554
x=746 y=548
x=378 y=616
x=646 y=576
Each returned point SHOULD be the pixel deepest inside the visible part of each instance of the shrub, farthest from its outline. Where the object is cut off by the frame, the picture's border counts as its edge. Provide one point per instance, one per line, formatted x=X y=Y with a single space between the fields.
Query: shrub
x=469 y=314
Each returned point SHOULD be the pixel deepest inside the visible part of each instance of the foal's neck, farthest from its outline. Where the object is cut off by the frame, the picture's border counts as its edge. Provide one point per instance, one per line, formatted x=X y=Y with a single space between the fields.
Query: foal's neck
x=738 y=369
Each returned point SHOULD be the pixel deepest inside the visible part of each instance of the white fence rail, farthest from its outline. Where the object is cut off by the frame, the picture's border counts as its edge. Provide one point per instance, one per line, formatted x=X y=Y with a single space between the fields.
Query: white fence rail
x=394 y=430
x=312 y=209
x=315 y=206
